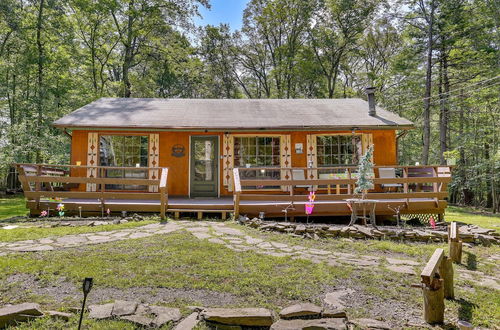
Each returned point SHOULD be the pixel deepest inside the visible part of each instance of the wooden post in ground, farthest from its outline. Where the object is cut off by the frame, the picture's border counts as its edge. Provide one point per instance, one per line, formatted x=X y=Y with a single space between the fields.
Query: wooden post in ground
x=446 y=273
x=236 y=192
x=432 y=289
x=434 y=302
x=455 y=243
x=163 y=193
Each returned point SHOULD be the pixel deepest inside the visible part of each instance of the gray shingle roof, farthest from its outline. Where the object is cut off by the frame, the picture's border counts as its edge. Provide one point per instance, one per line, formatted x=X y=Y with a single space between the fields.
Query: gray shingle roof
x=230 y=114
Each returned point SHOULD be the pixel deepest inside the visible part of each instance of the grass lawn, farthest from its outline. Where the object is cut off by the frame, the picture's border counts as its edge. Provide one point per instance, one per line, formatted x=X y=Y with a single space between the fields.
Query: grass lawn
x=27 y=233
x=11 y=206
x=475 y=217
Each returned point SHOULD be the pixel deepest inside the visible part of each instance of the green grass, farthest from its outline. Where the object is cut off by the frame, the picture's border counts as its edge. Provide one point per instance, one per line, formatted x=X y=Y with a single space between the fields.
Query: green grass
x=11 y=206
x=475 y=217
x=179 y=261
x=29 y=233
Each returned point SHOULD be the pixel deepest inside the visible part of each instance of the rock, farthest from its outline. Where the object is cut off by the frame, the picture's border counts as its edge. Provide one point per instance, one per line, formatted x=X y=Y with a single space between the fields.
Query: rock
x=100 y=312
x=189 y=322
x=18 y=313
x=141 y=320
x=122 y=308
x=334 y=299
x=334 y=313
x=330 y=324
x=301 y=310
x=164 y=315
x=300 y=229
x=370 y=324
x=33 y=248
x=123 y=221
x=116 y=222
x=60 y=315
x=401 y=269
x=239 y=316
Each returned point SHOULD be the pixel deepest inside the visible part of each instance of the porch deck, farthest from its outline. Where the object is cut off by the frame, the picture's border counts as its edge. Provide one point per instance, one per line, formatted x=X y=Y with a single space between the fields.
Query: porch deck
x=422 y=194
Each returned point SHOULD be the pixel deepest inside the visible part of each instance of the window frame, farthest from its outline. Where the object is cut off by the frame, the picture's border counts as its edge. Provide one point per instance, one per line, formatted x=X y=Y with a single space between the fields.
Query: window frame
x=144 y=134
x=360 y=135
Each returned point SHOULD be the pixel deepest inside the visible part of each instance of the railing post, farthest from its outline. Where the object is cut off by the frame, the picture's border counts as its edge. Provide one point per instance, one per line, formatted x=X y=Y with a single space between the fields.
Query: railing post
x=236 y=192
x=163 y=192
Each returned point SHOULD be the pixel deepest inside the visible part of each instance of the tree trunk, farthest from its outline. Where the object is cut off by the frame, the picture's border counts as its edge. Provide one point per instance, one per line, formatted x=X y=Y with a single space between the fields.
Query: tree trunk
x=40 y=80
x=444 y=89
x=428 y=86
x=128 y=56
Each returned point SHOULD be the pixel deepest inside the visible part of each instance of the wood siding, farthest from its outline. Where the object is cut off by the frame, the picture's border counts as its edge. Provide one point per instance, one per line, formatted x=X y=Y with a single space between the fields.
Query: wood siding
x=384 y=152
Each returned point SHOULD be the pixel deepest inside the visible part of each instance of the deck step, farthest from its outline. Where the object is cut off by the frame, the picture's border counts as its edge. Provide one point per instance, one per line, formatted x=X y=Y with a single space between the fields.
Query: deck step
x=199 y=212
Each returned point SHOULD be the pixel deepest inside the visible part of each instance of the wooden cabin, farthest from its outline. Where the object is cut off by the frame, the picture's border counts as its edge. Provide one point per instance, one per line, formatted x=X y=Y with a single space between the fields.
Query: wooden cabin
x=230 y=155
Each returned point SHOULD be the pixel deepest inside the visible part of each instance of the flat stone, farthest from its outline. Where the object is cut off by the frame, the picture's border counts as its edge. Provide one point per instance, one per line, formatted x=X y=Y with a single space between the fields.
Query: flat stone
x=279 y=245
x=100 y=312
x=402 y=262
x=252 y=241
x=122 y=308
x=33 y=248
x=199 y=235
x=198 y=229
x=140 y=235
x=16 y=313
x=319 y=252
x=45 y=241
x=319 y=324
x=216 y=241
x=141 y=320
x=260 y=317
x=189 y=322
x=164 y=315
x=60 y=315
x=402 y=269
x=370 y=324
x=301 y=310
x=98 y=238
x=334 y=313
x=228 y=231
x=334 y=299
x=120 y=234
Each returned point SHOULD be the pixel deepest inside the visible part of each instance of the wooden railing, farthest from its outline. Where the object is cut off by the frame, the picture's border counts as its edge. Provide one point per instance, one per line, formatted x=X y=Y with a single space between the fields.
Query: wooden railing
x=63 y=181
x=414 y=182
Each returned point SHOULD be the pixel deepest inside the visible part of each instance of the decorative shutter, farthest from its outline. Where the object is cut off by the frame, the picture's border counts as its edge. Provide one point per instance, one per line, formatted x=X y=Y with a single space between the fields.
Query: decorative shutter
x=228 y=160
x=367 y=141
x=92 y=149
x=154 y=159
x=311 y=156
x=286 y=158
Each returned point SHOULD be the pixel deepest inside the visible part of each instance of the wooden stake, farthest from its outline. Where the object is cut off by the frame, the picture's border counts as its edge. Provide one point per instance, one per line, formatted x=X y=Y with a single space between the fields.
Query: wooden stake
x=456 y=251
x=434 y=303
x=446 y=273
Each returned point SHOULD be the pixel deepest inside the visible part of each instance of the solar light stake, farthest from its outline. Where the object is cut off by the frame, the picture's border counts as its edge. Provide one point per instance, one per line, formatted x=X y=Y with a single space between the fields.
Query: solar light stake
x=87 y=285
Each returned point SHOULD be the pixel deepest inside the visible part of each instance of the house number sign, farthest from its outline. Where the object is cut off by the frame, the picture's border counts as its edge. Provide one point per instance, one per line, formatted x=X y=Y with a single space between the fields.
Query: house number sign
x=178 y=150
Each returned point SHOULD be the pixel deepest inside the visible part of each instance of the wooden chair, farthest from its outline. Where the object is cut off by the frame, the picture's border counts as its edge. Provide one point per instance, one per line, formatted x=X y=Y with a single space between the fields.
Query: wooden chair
x=299 y=175
x=421 y=172
x=388 y=173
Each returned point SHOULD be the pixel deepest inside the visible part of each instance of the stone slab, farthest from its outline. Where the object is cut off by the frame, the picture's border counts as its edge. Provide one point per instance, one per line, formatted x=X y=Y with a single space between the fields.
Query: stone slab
x=370 y=324
x=20 y=312
x=100 y=312
x=123 y=307
x=319 y=324
x=189 y=322
x=239 y=316
x=165 y=315
x=301 y=310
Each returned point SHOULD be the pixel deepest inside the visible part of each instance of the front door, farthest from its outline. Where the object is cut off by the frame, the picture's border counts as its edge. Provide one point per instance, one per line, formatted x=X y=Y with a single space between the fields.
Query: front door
x=204 y=166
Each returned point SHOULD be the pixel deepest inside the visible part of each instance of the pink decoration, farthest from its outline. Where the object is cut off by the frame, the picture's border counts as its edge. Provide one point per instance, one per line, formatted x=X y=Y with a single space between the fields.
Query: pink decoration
x=432 y=222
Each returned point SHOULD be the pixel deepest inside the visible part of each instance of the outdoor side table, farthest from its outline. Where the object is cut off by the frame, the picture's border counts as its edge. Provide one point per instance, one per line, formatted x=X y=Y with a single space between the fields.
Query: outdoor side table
x=367 y=206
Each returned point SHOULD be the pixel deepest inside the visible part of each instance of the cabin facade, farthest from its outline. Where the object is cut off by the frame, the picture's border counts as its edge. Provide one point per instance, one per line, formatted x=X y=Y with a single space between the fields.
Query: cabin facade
x=243 y=156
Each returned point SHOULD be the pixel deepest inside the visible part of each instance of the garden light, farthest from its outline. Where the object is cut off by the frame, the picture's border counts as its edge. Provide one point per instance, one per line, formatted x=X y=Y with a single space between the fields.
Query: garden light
x=87 y=286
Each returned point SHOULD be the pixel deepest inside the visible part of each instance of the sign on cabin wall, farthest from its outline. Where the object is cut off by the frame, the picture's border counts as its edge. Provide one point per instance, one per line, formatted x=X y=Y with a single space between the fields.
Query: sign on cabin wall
x=178 y=150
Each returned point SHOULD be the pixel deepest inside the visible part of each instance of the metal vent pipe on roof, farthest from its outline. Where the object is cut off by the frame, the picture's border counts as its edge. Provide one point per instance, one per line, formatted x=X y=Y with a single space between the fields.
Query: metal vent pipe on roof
x=370 y=91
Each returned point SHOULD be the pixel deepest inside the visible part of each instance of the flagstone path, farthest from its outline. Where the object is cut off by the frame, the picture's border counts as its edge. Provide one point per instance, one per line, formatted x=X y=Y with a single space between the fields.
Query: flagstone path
x=234 y=239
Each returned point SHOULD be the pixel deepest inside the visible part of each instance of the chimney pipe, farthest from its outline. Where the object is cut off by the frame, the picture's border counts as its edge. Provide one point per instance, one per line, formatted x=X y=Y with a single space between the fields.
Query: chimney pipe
x=370 y=91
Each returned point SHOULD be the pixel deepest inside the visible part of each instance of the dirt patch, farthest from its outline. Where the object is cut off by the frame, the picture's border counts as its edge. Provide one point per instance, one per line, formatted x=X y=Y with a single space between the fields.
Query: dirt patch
x=62 y=292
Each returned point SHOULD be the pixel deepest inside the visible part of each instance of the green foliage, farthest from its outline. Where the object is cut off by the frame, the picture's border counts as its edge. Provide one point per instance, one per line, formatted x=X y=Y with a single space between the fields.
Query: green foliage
x=365 y=173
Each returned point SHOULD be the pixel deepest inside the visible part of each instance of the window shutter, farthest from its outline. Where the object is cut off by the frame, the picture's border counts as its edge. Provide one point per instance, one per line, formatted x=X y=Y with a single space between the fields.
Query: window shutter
x=367 y=141
x=286 y=158
x=154 y=159
x=92 y=149
x=228 y=161
x=311 y=156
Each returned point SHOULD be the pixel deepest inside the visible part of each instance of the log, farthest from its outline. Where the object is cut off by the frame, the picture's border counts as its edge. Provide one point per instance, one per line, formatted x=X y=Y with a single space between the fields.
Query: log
x=456 y=251
x=446 y=273
x=433 y=303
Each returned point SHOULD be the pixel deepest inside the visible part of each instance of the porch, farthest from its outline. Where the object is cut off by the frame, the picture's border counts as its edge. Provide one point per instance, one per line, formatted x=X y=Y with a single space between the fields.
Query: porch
x=413 y=190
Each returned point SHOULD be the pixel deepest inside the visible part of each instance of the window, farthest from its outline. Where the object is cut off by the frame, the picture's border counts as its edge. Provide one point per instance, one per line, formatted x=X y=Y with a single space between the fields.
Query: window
x=338 y=150
x=258 y=152
x=124 y=151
